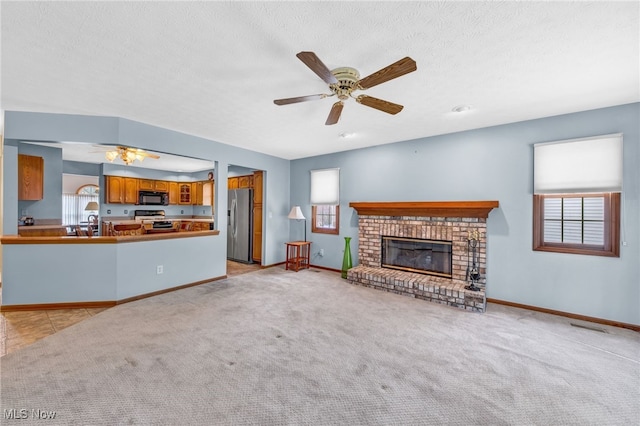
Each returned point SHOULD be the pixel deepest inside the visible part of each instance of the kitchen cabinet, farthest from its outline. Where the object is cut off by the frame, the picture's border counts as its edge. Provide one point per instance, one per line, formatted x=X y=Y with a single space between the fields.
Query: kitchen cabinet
x=30 y=177
x=207 y=193
x=121 y=190
x=202 y=193
x=258 y=180
x=161 y=185
x=240 y=182
x=153 y=185
x=185 y=193
x=174 y=193
x=114 y=191
x=200 y=226
x=130 y=190
x=245 y=181
x=42 y=231
x=145 y=184
x=196 y=188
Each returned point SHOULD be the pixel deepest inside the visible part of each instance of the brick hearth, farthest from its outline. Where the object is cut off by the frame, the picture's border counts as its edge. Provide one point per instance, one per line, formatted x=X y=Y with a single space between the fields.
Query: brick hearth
x=373 y=223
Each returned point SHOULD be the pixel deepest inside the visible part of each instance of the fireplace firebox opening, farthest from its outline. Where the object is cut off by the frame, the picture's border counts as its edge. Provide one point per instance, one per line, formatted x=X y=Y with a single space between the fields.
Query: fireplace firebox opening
x=430 y=257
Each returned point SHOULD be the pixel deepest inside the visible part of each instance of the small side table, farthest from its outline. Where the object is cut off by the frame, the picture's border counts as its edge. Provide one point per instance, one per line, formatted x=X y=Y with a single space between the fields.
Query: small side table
x=298 y=255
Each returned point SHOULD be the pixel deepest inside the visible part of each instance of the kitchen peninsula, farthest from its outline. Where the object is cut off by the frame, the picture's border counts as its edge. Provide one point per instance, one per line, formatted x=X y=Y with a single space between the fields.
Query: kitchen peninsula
x=74 y=272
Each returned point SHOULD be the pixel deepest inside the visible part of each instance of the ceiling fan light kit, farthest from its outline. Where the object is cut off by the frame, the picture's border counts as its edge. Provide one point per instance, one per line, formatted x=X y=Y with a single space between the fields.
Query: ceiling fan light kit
x=128 y=155
x=345 y=80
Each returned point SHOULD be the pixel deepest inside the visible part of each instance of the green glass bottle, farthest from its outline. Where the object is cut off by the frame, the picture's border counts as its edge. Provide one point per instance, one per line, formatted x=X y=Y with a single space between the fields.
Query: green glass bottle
x=346 y=261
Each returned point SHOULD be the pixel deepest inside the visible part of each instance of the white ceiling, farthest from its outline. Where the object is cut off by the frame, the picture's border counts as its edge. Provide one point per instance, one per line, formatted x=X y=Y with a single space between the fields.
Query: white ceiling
x=213 y=69
x=89 y=153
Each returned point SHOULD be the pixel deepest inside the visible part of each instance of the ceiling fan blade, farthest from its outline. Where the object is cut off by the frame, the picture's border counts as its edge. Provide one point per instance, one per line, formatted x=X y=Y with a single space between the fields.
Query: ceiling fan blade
x=288 y=101
x=397 y=69
x=384 y=106
x=315 y=64
x=334 y=114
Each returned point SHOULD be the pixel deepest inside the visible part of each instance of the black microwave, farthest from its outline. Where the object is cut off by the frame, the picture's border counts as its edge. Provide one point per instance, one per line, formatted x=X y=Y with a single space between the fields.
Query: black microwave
x=153 y=198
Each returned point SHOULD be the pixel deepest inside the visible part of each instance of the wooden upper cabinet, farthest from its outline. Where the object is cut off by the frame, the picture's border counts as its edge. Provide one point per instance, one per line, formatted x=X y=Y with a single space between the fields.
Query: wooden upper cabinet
x=130 y=190
x=121 y=190
x=153 y=185
x=239 y=182
x=30 y=177
x=202 y=193
x=184 y=191
x=146 y=184
x=244 y=181
x=207 y=193
x=196 y=191
x=174 y=193
x=114 y=193
x=161 y=185
x=257 y=187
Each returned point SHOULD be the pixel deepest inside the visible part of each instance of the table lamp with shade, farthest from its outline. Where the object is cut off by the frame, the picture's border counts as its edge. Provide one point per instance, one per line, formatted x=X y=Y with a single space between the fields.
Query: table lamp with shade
x=92 y=206
x=296 y=214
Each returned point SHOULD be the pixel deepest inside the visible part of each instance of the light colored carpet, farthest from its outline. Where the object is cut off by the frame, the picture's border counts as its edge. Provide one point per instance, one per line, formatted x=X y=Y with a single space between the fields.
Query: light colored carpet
x=277 y=347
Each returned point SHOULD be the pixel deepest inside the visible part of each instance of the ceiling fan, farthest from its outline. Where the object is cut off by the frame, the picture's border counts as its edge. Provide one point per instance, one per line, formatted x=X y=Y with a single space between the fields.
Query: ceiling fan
x=345 y=80
x=127 y=154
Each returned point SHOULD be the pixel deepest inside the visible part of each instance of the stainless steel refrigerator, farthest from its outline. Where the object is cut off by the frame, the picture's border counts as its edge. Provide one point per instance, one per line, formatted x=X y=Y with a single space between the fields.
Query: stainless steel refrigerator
x=239 y=225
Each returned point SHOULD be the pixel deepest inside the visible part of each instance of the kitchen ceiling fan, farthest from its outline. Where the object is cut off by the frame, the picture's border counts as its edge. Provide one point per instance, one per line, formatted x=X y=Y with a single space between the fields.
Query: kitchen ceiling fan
x=127 y=154
x=344 y=81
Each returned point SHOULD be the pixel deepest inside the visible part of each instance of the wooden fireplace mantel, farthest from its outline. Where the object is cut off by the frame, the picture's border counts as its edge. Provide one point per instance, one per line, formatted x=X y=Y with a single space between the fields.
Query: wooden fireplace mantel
x=479 y=209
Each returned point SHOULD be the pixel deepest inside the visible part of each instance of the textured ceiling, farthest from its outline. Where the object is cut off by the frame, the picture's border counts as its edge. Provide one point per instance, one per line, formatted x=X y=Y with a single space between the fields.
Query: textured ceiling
x=213 y=69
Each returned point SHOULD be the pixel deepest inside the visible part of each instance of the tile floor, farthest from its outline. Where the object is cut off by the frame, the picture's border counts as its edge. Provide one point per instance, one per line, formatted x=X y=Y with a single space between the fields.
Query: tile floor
x=22 y=328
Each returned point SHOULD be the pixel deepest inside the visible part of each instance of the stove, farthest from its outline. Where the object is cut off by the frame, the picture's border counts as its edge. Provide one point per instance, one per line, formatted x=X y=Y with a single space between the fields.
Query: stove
x=155 y=217
x=148 y=215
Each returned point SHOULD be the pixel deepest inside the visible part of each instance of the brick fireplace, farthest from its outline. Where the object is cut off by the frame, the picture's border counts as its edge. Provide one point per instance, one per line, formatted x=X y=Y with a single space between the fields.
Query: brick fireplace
x=447 y=222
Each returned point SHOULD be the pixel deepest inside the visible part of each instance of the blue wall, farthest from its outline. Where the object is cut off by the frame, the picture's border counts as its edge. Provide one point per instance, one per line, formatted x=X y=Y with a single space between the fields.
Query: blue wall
x=495 y=163
x=485 y=164
x=79 y=168
x=50 y=207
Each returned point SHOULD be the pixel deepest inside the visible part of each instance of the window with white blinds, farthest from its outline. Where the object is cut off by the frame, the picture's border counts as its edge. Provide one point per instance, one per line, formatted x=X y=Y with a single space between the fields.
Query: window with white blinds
x=325 y=187
x=73 y=208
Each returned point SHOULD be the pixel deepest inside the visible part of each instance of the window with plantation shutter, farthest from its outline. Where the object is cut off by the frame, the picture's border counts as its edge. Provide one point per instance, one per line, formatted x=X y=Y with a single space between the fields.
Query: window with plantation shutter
x=576 y=201
x=575 y=220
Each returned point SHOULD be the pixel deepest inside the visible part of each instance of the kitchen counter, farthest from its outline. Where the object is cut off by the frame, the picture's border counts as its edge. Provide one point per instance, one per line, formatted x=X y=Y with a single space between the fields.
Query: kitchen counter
x=167 y=234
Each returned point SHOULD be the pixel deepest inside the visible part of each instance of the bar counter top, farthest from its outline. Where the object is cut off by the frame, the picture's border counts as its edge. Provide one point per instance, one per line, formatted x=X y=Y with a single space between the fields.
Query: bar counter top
x=16 y=239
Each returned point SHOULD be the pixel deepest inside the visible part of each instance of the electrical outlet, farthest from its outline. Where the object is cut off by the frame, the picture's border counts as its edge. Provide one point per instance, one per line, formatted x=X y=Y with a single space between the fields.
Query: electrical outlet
x=321 y=252
x=160 y=269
